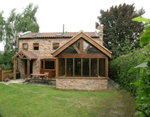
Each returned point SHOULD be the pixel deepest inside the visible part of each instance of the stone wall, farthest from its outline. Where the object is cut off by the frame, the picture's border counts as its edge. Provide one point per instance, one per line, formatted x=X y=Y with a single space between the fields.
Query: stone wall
x=82 y=84
x=45 y=50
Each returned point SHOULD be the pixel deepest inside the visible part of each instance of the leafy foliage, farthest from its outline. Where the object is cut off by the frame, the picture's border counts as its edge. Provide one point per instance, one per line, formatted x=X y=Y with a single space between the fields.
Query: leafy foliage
x=9 y=29
x=17 y=23
x=143 y=83
x=121 y=72
x=121 y=35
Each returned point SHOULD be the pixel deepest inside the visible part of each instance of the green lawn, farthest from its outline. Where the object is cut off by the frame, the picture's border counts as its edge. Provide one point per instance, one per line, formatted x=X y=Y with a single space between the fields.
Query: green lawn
x=39 y=101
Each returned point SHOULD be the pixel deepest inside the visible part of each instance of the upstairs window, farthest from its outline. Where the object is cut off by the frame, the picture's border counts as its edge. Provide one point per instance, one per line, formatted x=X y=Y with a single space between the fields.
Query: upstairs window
x=25 y=46
x=35 y=46
x=55 y=46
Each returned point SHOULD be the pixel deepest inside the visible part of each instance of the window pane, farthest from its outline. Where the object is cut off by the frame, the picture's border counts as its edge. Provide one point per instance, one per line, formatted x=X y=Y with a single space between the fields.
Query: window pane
x=61 y=67
x=69 y=67
x=78 y=44
x=78 y=67
x=86 y=67
x=93 y=50
x=49 y=64
x=70 y=50
x=36 y=48
x=94 y=67
x=55 y=47
x=102 y=67
x=85 y=45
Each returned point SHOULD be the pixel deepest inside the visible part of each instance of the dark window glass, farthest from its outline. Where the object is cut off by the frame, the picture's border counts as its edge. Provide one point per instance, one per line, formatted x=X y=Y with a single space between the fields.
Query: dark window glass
x=102 y=67
x=94 y=67
x=69 y=67
x=61 y=67
x=49 y=64
x=86 y=67
x=55 y=46
x=70 y=50
x=77 y=67
x=36 y=48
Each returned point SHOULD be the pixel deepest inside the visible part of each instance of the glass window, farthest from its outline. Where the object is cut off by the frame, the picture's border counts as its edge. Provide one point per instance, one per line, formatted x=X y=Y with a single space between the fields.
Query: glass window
x=102 y=67
x=93 y=50
x=94 y=67
x=49 y=64
x=36 y=46
x=70 y=50
x=78 y=44
x=55 y=46
x=86 y=67
x=78 y=67
x=69 y=67
x=25 y=46
x=61 y=67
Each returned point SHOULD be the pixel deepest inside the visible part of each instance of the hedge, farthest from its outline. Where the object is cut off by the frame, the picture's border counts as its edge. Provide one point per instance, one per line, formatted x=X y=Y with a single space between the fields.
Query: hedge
x=120 y=69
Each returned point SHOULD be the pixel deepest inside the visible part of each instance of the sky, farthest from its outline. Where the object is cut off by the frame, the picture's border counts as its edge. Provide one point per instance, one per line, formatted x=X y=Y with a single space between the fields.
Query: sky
x=76 y=15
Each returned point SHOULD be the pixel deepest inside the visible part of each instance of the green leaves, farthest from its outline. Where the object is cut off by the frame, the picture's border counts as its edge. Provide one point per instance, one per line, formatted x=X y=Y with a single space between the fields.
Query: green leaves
x=142 y=65
x=140 y=19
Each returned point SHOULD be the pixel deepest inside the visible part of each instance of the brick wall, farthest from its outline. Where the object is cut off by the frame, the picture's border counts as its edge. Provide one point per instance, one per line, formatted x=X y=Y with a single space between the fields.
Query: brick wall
x=82 y=84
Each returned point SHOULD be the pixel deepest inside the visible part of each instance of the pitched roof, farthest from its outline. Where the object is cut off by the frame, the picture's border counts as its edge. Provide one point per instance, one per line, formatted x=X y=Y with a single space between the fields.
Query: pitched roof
x=88 y=39
x=57 y=34
x=28 y=54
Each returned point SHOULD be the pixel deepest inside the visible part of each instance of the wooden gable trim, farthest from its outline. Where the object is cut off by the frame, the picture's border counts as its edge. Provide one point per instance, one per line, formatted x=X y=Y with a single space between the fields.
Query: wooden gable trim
x=88 y=39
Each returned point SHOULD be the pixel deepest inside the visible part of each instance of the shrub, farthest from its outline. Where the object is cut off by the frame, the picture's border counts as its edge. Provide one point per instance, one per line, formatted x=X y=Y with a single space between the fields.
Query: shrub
x=120 y=69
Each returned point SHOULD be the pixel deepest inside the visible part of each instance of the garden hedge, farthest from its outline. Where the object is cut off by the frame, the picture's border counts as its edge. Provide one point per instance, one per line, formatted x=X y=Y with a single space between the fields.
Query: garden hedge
x=120 y=69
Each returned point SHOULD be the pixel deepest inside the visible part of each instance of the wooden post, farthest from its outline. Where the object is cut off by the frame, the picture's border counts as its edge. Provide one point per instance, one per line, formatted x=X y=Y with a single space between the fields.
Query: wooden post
x=14 y=70
x=81 y=45
x=57 y=68
x=65 y=67
x=28 y=68
x=106 y=67
x=89 y=67
x=81 y=67
x=98 y=67
x=73 y=67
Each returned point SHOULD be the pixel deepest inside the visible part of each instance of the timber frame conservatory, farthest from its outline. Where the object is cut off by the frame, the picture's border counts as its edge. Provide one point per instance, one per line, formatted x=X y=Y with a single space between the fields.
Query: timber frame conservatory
x=82 y=57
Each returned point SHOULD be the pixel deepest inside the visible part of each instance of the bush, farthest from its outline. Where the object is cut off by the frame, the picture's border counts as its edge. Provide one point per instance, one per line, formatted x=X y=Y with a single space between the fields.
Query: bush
x=120 y=69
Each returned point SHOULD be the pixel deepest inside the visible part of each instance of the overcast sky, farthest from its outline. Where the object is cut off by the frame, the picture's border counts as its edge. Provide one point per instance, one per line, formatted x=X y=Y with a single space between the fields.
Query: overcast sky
x=75 y=14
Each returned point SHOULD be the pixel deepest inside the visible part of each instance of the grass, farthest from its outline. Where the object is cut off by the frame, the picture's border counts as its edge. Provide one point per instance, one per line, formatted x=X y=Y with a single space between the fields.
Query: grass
x=37 y=101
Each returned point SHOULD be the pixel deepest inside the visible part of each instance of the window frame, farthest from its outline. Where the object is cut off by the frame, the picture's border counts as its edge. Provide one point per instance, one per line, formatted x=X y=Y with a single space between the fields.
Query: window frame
x=43 y=67
x=23 y=46
x=36 y=45
x=54 y=45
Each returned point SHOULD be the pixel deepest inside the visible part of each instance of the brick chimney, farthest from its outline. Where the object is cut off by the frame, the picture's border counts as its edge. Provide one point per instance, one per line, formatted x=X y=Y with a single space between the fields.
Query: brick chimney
x=100 y=28
x=17 y=42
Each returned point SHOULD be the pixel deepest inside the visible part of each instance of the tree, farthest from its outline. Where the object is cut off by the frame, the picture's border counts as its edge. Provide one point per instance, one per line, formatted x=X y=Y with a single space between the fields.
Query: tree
x=9 y=29
x=20 y=22
x=121 y=35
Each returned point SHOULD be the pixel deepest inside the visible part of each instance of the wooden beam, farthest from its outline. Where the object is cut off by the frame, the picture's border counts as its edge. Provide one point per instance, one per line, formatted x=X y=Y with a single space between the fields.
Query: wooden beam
x=81 y=45
x=44 y=64
x=81 y=56
x=75 y=47
x=57 y=67
x=98 y=67
x=73 y=67
x=81 y=67
x=87 y=48
x=106 y=67
x=14 y=70
x=28 y=68
x=65 y=67
x=89 y=67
